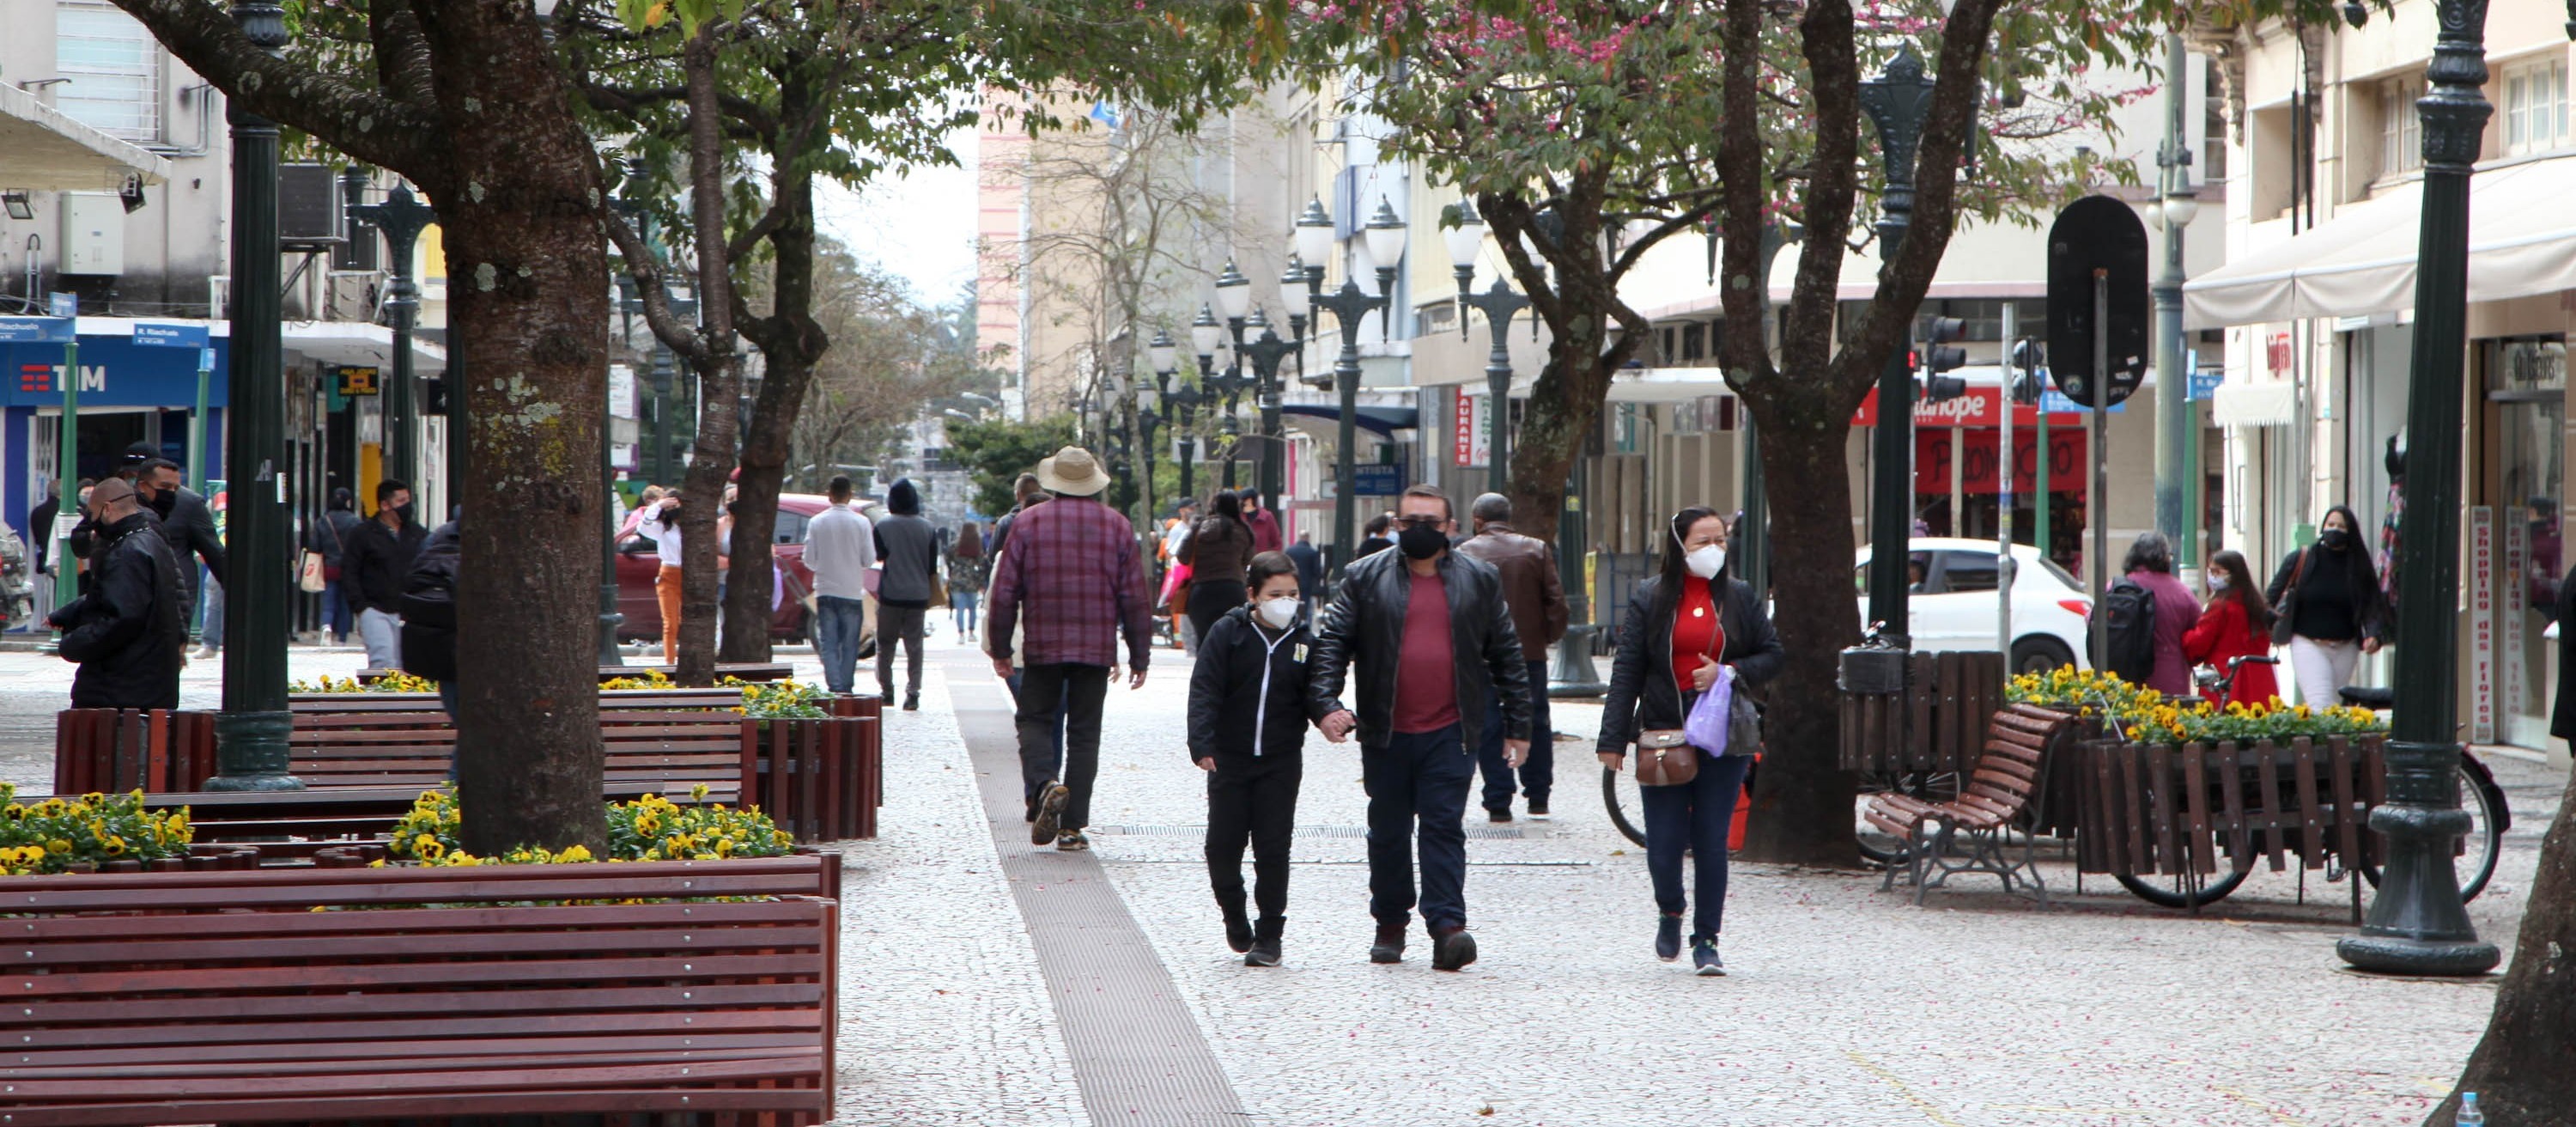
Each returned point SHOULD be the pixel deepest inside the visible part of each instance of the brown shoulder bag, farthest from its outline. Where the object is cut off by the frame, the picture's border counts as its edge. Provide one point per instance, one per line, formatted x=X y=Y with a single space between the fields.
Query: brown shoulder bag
x=1664 y=757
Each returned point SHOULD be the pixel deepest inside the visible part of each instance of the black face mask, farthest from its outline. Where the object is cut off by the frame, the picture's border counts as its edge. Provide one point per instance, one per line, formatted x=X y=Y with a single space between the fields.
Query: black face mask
x=2336 y=539
x=164 y=501
x=1421 y=541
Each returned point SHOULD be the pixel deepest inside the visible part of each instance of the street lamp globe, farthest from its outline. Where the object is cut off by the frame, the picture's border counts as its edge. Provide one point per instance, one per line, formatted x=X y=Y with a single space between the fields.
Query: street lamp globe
x=1233 y=292
x=1385 y=236
x=1467 y=238
x=1314 y=235
x=2183 y=202
x=1148 y=400
x=1205 y=333
x=1293 y=287
x=1164 y=353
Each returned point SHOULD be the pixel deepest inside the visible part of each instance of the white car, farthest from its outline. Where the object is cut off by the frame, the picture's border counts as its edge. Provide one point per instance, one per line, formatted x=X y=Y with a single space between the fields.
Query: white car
x=1954 y=607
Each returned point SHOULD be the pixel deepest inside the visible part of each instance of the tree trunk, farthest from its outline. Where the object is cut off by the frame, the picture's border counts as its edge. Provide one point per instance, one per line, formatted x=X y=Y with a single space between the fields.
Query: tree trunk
x=2524 y=1069
x=792 y=342
x=1802 y=798
x=712 y=453
x=1550 y=440
x=518 y=202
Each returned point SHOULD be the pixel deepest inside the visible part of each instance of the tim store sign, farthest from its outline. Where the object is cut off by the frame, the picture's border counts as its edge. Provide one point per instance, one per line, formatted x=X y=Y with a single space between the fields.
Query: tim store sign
x=48 y=377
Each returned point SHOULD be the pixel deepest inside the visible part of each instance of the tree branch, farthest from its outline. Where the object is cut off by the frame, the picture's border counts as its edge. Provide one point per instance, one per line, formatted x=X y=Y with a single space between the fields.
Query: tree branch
x=362 y=123
x=402 y=52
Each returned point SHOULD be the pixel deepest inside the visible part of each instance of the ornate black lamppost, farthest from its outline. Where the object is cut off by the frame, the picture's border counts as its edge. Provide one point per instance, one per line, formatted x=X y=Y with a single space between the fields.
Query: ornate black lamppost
x=1348 y=306
x=1166 y=357
x=1265 y=354
x=1205 y=336
x=402 y=218
x=1897 y=102
x=250 y=735
x=2417 y=924
x=1499 y=305
x=1294 y=289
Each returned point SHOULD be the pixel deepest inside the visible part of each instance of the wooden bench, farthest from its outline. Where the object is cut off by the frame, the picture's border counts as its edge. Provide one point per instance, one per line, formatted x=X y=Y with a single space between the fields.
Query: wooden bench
x=335 y=994
x=820 y=779
x=739 y=670
x=2002 y=795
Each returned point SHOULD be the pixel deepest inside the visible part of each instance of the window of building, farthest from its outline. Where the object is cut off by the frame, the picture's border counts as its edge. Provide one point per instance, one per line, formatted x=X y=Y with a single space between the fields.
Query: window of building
x=2213 y=127
x=2535 y=106
x=1694 y=341
x=115 y=71
x=2401 y=127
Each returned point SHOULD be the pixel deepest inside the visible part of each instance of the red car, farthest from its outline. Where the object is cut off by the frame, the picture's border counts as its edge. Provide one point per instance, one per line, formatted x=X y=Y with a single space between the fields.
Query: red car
x=638 y=564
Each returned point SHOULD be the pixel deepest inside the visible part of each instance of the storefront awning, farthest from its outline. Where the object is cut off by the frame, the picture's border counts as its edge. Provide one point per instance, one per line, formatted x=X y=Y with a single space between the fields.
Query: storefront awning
x=358 y=343
x=2522 y=242
x=48 y=151
x=1384 y=420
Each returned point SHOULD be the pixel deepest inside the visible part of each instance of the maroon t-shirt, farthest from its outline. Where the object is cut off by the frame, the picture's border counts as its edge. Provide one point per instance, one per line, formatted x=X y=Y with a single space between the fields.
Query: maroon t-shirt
x=1426 y=678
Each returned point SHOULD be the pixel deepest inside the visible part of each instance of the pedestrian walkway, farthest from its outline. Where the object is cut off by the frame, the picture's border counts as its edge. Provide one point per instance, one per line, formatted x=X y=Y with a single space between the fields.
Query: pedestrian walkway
x=987 y=982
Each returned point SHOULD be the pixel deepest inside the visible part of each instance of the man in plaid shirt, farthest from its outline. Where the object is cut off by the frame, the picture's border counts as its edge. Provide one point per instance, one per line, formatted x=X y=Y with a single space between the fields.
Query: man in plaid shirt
x=1074 y=566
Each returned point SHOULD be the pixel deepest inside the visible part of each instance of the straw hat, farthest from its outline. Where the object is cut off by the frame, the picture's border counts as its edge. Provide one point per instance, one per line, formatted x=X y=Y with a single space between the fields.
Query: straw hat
x=1073 y=472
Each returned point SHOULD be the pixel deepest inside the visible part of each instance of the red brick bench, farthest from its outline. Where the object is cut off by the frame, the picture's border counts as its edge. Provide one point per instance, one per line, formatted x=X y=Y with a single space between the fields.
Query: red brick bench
x=335 y=994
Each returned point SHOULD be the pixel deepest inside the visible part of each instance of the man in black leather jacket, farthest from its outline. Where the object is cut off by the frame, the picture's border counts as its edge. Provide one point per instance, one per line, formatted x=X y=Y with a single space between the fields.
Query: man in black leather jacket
x=125 y=632
x=1433 y=640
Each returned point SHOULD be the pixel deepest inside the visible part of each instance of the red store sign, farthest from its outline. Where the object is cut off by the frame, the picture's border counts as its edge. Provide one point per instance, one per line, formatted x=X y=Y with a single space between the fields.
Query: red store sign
x=1980 y=407
x=2067 y=467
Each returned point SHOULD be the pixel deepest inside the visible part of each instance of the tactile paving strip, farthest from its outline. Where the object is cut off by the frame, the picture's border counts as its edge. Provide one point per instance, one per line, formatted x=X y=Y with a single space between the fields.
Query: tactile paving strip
x=1138 y=1056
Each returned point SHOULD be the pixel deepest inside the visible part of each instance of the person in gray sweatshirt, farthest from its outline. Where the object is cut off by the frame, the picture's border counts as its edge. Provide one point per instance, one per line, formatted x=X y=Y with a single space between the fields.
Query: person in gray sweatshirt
x=909 y=555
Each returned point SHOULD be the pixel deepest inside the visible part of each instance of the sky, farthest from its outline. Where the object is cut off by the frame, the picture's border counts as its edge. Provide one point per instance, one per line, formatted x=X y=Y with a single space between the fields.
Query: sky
x=920 y=226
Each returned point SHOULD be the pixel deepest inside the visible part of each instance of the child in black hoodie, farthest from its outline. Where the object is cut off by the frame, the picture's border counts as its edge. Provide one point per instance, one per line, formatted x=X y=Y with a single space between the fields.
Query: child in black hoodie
x=1248 y=718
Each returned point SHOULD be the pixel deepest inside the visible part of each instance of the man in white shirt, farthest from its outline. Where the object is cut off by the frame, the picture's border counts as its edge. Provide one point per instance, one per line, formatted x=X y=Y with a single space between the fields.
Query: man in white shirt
x=839 y=548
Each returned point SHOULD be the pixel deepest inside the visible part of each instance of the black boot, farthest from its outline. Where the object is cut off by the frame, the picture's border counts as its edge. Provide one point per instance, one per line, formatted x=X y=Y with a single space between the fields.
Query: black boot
x=1238 y=927
x=1389 y=947
x=1265 y=942
x=912 y=701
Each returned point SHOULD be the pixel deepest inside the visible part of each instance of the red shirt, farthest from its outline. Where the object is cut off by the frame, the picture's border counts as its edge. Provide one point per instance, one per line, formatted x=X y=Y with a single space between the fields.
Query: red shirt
x=1426 y=675
x=1696 y=633
x=2225 y=631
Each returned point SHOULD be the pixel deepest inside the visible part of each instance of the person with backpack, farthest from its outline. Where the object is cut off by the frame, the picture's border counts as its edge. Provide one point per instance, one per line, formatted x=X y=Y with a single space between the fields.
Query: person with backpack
x=2331 y=609
x=429 y=618
x=2149 y=611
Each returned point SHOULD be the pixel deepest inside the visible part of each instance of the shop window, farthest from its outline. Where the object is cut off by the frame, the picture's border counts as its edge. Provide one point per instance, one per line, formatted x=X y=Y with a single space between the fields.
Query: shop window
x=114 y=67
x=2535 y=106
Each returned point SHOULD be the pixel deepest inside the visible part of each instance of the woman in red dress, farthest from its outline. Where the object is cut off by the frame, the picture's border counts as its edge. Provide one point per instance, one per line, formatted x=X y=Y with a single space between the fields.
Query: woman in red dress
x=2236 y=623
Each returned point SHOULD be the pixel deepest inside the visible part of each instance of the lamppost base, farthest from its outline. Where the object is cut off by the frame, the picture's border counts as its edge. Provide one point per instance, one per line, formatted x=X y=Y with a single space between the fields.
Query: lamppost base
x=1574 y=675
x=609 y=654
x=251 y=752
x=2402 y=955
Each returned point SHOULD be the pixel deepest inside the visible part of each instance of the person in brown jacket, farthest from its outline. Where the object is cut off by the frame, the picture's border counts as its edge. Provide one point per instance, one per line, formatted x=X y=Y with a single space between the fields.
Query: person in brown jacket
x=1537 y=603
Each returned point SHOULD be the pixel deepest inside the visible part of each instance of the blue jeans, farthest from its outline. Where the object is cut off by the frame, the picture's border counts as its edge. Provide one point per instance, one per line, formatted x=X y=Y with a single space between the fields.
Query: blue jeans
x=1695 y=816
x=964 y=604
x=1417 y=788
x=210 y=599
x=1538 y=772
x=839 y=628
x=335 y=611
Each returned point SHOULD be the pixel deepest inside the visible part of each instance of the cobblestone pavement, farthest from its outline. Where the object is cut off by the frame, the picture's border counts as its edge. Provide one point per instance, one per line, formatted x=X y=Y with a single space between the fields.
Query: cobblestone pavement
x=1845 y=1006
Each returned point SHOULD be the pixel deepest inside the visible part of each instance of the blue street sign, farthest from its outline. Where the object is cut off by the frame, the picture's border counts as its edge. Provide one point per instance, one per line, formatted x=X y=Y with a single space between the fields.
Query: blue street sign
x=1377 y=481
x=170 y=336
x=2056 y=403
x=35 y=330
x=2205 y=384
x=206 y=358
x=63 y=304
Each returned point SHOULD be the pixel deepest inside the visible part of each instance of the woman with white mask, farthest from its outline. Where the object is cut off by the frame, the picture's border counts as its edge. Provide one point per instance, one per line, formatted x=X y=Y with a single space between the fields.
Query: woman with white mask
x=1686 y=627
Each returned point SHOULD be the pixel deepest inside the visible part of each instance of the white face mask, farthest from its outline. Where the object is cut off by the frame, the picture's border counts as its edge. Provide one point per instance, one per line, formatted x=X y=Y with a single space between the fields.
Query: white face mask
x=1279 y=613
x=1705 y=561
x=2217 y=582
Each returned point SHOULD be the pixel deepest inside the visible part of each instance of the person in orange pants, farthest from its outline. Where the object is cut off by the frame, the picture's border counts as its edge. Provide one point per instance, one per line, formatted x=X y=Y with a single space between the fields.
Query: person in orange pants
x=661 y=524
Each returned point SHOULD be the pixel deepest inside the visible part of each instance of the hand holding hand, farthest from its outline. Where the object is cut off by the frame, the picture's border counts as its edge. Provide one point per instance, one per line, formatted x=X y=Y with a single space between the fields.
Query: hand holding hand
x=1337 y=727
x=1704 y=676
x=1515 y=753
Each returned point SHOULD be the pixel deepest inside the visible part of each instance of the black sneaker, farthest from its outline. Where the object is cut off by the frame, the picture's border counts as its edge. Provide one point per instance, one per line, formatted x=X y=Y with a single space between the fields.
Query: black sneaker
x=1538 y=812
x=912 y=701
x=1668 y=938
x=1051 y=800
x=1071 y=841
x=1452 y=949
x=1498 y=813
x=1238 y=928
x=1704 y=957
x=1389 y=947
x=1265 y=943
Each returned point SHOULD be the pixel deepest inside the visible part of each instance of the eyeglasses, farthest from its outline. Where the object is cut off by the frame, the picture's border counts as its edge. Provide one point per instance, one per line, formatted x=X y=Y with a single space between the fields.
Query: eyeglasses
x=1419 y=520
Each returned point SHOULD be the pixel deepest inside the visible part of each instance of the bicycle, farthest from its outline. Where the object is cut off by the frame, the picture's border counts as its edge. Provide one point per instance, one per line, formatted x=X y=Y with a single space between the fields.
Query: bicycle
x=2479 y=796
x=2190 y=890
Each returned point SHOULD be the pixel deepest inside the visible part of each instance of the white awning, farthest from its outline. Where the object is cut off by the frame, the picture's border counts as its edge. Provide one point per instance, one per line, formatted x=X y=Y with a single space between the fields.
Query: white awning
x=2243 y=403
x=2522 y=243
x=48 y=151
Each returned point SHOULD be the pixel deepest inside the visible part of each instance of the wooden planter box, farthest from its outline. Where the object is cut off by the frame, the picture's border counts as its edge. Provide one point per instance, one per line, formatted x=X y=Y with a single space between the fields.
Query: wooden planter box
x=1937 y=726
x=2147 y=809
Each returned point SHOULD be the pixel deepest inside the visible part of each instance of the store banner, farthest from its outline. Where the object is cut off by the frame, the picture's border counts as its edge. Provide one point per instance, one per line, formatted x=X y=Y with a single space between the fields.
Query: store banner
x=2068 y=472
x=2482 y=625
x=2509 y=590
x=1980 y=407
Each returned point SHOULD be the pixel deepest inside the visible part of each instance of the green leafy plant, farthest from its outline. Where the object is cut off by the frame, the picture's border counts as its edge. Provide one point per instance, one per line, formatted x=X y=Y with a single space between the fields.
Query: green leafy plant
x=52 y=835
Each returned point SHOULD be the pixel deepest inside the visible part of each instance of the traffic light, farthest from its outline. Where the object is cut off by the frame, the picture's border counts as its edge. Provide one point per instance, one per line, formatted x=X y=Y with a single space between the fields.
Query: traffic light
x=1937 y=355
x=2028 y=364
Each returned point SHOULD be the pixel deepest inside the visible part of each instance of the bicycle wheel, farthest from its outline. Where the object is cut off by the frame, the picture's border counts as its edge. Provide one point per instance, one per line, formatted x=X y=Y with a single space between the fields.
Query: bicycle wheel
x=1627 y=811
x=2476 y=863
x=2177 y=892
x=1878 y=848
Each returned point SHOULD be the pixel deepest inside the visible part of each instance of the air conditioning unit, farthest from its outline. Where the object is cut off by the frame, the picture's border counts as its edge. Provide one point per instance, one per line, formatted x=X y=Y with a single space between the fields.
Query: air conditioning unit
x=93 y=234
x=308 y=207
